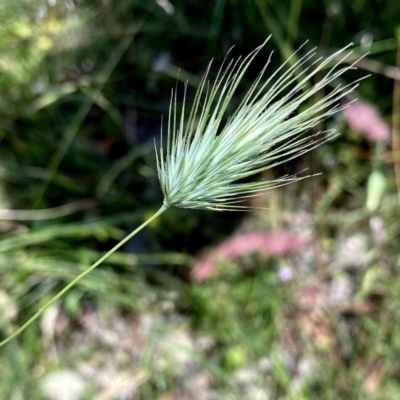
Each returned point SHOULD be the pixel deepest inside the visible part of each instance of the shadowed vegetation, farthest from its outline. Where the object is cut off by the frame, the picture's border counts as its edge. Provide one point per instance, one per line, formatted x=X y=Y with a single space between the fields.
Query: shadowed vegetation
x=200 y=305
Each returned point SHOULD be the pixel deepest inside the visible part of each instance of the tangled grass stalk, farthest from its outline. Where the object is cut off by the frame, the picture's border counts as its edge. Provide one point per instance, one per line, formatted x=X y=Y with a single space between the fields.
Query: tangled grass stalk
x=206 y=160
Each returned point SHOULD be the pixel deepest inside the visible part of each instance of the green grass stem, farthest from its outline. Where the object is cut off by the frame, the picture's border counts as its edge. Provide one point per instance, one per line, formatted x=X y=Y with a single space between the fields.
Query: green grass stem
x=79 y=277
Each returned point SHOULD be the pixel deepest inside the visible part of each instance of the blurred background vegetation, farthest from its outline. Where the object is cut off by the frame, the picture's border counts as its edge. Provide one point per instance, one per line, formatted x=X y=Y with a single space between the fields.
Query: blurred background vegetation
x=308 y=308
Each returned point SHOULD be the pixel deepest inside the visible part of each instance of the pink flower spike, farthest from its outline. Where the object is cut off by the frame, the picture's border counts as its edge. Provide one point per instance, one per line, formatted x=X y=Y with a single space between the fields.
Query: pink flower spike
x=364 y=117
x=271 y=243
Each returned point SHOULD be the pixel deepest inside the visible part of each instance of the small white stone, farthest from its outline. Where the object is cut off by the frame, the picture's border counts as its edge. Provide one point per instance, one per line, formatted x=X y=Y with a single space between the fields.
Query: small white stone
x=340 y=290
x=63 y=385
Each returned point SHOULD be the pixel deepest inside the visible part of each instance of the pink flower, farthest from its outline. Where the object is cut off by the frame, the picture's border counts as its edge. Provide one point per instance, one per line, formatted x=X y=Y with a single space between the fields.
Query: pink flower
x=364 y=117
x=267 y=243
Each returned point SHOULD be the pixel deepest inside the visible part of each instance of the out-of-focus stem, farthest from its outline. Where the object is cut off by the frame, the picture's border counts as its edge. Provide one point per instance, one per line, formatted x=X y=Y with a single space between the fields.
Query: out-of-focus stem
x=396 y=121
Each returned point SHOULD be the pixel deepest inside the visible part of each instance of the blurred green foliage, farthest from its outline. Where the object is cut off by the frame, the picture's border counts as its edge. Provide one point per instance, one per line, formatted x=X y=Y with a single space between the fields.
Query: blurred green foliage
x=83 y=86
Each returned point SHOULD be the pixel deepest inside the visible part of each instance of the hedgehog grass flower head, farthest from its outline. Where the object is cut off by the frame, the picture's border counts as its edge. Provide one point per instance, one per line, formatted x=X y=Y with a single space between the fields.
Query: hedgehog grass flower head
x=205 y=161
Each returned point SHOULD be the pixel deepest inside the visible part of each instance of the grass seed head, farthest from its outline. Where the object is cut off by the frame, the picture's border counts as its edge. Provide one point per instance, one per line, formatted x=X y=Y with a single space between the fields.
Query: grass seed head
x=205 y=162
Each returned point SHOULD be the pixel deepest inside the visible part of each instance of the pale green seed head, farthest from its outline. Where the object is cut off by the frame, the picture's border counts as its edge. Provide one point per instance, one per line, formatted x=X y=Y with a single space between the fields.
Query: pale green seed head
x=204 y=159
